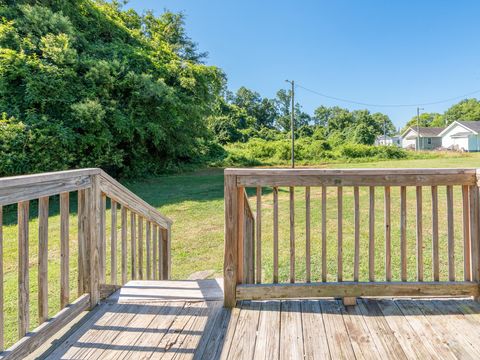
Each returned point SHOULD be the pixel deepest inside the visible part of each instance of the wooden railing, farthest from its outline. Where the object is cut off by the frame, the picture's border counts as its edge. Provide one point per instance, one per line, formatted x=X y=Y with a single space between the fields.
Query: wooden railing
x=425 y=233
x=93 y=188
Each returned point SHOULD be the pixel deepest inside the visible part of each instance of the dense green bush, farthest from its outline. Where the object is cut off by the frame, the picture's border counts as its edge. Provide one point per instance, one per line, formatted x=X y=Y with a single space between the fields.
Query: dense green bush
x=308 y=150
x=85 y=83
x=356 y=151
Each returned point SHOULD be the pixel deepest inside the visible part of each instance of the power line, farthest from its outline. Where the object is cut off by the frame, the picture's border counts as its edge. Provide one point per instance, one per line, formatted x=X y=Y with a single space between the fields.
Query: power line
x=386 y=105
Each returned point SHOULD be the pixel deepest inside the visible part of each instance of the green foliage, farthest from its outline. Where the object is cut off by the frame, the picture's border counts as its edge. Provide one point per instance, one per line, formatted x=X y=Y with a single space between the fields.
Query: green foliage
x=87 y=83
x=466 y=110
x=259 y=151
x=426 y=120
x=359 y=126
x=359 y=151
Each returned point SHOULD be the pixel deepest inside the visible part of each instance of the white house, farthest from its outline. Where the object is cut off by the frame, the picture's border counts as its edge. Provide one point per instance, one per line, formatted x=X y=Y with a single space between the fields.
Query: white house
x=422 y=138
x=388 y=140
x=462 y=136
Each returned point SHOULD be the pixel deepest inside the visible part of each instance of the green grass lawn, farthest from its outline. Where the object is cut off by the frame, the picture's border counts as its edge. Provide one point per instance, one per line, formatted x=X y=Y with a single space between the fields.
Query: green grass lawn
x=195 y=203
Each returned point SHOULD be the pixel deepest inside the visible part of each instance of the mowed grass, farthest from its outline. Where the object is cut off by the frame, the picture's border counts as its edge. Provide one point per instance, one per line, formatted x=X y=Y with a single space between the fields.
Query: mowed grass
x=195 y=203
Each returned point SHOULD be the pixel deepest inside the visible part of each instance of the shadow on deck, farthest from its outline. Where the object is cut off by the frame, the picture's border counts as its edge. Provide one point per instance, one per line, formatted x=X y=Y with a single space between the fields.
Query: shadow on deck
x=186 y=319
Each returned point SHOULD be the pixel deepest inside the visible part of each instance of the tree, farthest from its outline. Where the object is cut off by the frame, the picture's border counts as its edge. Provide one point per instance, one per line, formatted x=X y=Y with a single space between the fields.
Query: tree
x=381 y=121
x=426 y=120
x=359 y=126
x=466 y=110
x=283 y=103
x=261 y=109
x=333 y=118
x=95 y=85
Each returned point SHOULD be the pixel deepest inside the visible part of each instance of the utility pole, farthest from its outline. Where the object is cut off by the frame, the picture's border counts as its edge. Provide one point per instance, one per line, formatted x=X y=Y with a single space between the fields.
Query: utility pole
x=292 y=121
x=418 y=125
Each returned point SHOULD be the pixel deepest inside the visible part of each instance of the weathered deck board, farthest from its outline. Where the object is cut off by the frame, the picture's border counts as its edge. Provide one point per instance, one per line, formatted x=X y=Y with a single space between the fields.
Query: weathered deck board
x=268 y=339
x=337 y=335
x=359 y=334
x=291 y=335
x=243 y=342
x=176 y=320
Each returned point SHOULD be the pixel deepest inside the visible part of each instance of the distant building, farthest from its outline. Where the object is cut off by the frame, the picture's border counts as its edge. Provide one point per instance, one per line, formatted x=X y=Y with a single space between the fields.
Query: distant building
x=422 y=138
x=462 y=136
x=395 y=140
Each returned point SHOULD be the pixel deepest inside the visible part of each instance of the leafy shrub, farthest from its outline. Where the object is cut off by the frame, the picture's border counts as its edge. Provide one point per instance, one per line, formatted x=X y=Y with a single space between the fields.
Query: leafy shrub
x=357 y=151
x=307 y=150
x=391 y=152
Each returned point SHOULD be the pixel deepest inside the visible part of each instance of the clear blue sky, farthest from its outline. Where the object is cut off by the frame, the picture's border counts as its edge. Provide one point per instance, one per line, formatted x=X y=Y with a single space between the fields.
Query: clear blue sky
x=373 y=51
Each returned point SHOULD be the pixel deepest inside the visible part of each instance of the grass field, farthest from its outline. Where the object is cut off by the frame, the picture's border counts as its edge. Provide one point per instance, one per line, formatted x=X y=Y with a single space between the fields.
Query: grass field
x=195 y=203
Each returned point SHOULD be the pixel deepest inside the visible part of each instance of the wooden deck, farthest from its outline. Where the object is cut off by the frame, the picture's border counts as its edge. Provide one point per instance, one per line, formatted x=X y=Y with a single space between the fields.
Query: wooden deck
x=186 y=320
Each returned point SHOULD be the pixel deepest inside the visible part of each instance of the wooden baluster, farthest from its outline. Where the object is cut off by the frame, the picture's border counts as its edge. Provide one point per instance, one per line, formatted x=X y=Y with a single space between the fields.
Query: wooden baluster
x=292 y=234
x=124 y=243
x=149 y=259
x=307 y=233
x=2 y=317
x=467 y=274
x=403 y=232
x=259 y=235
x=450 y=234
x=140 y=247
x=435 y=253
x=275 y=235
x=155 y=249
x=96 y=217
x=83 y=237
x=248 y=245
x=324 y=233
x=64 y=249
x=356 y=220
x=240 y=236
x=42 y=259
x=388 y=233
x=340 y=234
x=103 y=239
x=419 y=234
x=113 y=243
x=23 y=278
x=133 y=235
x=371 y=235
x=160 y=254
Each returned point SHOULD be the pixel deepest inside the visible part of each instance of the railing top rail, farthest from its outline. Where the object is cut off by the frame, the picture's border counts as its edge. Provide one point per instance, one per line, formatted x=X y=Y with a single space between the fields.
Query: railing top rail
x=353 y=171
x=117 y=191
x=353 y=177
x=14 y=189
x=29 y=187
x=13 y=181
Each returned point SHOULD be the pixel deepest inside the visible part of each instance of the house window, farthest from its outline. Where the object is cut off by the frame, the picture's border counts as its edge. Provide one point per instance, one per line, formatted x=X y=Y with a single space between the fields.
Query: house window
x=429 y=141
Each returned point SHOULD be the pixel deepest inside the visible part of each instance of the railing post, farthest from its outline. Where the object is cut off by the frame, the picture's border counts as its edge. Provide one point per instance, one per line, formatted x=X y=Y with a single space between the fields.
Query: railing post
x=165 y=250
x=475 y=229
x=168 y=259
x=231 y=240
x=94 y=201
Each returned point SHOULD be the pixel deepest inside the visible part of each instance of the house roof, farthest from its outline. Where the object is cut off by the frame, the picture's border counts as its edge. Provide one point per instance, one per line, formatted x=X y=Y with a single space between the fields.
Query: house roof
x=425 y=131
x=473 y=126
